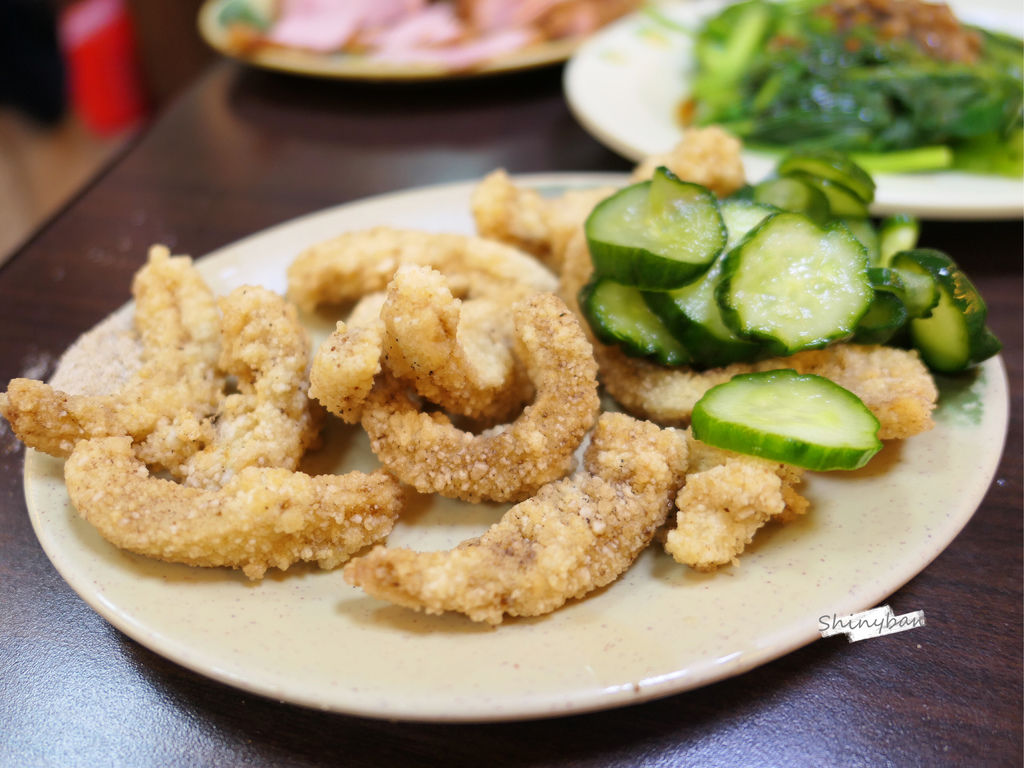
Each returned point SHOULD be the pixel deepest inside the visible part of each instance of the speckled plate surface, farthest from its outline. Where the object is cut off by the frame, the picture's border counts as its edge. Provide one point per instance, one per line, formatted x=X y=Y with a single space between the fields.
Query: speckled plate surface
x=625 y=85
x=349 y=66
x=306 y=637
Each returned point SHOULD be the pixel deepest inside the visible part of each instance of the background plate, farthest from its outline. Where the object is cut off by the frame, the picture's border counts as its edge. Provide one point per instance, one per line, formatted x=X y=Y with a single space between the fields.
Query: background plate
x=625 y=85
x=356 y=67
x=306 y=637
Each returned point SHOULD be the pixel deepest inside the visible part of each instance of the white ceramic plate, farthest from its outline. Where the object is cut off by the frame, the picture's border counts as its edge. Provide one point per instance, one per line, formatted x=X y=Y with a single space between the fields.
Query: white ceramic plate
x=306 y=637
x=625 y=85
x=348 y=66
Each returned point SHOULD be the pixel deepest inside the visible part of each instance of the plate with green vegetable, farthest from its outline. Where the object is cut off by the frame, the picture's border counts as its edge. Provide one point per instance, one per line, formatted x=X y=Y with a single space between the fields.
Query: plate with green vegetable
x=927 y=98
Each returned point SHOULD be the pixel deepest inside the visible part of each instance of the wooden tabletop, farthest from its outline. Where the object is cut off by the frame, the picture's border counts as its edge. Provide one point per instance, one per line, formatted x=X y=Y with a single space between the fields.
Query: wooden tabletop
x=243 y=150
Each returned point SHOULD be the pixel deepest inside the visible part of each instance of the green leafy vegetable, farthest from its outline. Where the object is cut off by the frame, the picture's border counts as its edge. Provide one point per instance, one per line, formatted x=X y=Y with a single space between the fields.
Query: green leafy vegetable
x=850 y=78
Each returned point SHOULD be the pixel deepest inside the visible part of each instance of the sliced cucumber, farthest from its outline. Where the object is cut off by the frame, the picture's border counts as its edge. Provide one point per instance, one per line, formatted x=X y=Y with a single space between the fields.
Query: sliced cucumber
x=864 y=230
x=741 y=216
x=883 y=320
x=954 y=336
x=693 y=316
x=657 y=234
x=618 y=315
x=896 y=233
x=916 y=287
x=793 y=195
x=843 y=202
x=833 y=166
x=804 y=420
x=795 y=285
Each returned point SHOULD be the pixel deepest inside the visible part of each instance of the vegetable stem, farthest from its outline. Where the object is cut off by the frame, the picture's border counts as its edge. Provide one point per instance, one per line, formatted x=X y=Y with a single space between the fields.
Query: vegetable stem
x=933 y=158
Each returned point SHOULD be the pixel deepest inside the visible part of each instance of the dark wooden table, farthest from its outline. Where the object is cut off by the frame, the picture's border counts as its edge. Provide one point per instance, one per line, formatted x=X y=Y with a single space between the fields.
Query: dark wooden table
x=242 y=150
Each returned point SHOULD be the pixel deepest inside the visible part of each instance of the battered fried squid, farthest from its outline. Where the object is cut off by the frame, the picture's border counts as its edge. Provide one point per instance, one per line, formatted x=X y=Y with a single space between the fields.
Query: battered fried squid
x=164 y=404
x=707 y=156
x=511 y=461
x=575 y=535
x=526 y=219
x=357 y=263
x=544 y=226
x=261 y=518
x=456 y=354
x=726 y=499
x=268 y=421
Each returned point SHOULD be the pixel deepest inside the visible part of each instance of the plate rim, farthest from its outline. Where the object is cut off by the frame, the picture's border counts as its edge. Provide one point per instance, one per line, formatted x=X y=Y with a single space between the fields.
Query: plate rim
x=781 y=642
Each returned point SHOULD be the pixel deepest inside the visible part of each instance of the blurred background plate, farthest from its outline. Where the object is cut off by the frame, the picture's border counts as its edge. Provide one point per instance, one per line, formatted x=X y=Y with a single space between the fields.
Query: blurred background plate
x=625 y=85
x=359 y=67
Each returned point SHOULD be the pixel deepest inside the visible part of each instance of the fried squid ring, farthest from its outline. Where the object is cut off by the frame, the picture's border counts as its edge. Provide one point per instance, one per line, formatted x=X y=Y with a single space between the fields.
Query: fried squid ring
x=269 y=421
x=456 y=354
x=574 y=536
x=727 y=498
x=357 y=263
x=522 y=217
x=175 y=386
x=707 y=156
x=262 y=518
x=893 y=383
x=511 y=461
x=346 y=364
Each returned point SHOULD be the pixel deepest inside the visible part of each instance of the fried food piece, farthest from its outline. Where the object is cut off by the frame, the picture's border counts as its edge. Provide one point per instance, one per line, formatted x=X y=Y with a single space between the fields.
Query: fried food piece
x=726 y=499
x=707 y=156
x=269 y=420
x=456 y=354
x=175 y=388
x=544 y=226
x=524 y=218
x=357 y=263
x=575 y=535
x=511 y=461
x=893 y=383
x=347 y=362
x=262 y=518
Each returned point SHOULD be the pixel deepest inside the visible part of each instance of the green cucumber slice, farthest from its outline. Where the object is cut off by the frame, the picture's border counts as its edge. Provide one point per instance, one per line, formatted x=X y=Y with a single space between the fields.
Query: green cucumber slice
x=794 y=195
x=953 y=337
x=885 y=317
x=864 y=230
x=618 y=315
x=843 y=202
x=896 y=233
x=795 y=285
x=832 y=166
x=741 y=216
x=800 y=419
x=915 y=285
x=657 y=234
x=693 y=316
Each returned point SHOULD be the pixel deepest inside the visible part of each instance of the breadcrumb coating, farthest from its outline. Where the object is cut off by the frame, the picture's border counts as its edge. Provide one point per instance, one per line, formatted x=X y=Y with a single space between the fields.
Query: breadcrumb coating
x=261 y=518
x=354 y=264
x=707 y=156
x=574 y=536
x=726 y=499
x=524 y=218
x=456 y=354
x=511 y=461
x=348 y=360
x=269 y=421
